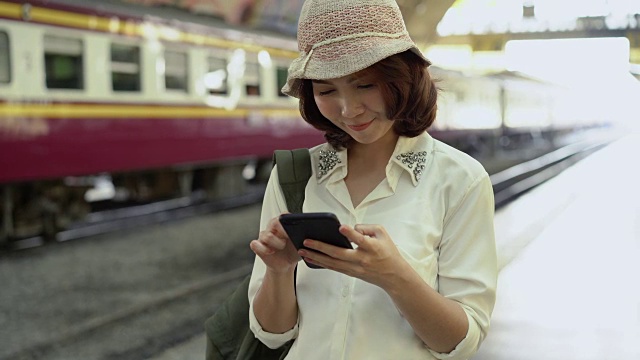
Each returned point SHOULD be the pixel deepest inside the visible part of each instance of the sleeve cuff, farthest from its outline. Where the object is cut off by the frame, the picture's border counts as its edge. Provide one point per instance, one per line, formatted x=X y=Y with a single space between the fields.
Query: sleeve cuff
x=467 y=346
x=271 y=340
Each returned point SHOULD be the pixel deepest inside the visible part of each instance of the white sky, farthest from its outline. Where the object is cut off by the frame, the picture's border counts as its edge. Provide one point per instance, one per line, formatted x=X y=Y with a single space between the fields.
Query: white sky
x=467 y=16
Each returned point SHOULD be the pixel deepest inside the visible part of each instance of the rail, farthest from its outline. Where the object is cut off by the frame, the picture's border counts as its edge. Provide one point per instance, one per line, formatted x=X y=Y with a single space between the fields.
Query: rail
x=516 y=180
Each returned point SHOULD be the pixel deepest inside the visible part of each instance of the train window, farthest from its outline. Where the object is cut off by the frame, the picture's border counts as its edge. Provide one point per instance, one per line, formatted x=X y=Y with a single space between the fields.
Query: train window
x=252 y=79
x=281 y=74
x=63 y=63
x=125 y=67
x=216 y=78
x=5 y=60
x=176 y=70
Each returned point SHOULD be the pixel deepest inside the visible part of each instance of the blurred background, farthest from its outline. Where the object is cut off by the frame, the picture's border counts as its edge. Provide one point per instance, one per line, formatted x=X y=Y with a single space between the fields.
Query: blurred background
x=136 y=139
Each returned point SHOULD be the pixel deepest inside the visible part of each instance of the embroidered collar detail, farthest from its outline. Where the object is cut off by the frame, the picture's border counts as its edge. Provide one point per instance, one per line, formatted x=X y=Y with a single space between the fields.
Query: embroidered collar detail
x=410 y=154
x=415 y=161
x=327 y=160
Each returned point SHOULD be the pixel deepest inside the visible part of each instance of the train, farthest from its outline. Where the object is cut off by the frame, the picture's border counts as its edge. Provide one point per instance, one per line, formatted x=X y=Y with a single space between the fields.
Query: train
x=124 y=103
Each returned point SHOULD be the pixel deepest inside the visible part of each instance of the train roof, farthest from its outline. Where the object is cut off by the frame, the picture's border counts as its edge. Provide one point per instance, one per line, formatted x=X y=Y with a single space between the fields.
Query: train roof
x=165 y=15
x=515 y=75
x=509 y=76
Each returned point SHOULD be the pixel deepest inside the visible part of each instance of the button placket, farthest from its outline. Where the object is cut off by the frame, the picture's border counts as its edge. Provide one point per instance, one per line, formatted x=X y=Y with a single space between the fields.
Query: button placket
x=341 y=325
x=347 y=287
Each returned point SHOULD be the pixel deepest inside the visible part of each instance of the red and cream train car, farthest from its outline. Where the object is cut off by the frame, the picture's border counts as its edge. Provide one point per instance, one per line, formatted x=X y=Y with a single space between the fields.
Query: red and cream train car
x=151 y=102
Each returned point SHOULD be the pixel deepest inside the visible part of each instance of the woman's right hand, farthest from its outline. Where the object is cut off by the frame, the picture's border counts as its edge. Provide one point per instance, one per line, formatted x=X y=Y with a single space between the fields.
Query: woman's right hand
x=275 y=249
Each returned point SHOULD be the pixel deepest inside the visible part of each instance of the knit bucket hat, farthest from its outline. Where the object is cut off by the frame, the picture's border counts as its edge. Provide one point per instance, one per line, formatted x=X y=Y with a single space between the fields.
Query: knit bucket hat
x=341 y=37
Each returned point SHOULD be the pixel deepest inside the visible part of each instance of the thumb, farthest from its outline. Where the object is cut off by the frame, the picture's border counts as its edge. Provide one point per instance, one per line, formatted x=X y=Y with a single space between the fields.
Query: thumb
x=368 y=229
x=360 y=234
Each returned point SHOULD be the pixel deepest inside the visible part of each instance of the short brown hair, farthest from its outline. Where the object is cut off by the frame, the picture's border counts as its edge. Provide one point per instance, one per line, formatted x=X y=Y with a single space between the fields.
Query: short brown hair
x=409 y=92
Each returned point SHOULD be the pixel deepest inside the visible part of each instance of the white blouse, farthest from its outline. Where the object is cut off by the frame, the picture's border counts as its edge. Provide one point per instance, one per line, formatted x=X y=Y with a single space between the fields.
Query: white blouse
x=437 y=205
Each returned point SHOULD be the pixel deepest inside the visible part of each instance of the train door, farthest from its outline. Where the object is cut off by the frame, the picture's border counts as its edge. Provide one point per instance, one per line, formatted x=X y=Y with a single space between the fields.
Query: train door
x=20 y=63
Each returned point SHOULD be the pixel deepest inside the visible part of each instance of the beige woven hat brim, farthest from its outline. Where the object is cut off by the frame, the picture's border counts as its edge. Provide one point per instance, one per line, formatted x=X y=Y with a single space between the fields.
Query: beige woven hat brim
x=341 y=37
x=318 y=67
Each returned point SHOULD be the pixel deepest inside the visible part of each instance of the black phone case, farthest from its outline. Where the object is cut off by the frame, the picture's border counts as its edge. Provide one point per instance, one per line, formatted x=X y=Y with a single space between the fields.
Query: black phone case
x=318 y=226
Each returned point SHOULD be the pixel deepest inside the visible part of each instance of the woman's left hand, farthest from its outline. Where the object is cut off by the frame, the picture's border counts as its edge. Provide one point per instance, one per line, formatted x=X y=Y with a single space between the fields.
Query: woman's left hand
x=376 y=258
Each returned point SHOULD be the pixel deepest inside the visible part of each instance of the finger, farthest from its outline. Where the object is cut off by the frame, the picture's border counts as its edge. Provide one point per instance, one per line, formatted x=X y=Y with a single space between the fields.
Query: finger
x=276 y=228
x=260 y=249
x=328 y=249
x=369 y=229
x=279 y=230
x=355 y=236
x=349 y=232
x=271 y=240
x=321 y=259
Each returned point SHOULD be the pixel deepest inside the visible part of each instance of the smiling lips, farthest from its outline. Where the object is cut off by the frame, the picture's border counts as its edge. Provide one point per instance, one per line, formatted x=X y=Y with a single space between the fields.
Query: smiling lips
x=360 y=127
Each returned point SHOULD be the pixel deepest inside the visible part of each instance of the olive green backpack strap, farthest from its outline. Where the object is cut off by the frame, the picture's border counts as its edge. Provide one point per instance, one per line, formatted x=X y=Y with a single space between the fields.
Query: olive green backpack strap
x=294 y=171
x=228 y=334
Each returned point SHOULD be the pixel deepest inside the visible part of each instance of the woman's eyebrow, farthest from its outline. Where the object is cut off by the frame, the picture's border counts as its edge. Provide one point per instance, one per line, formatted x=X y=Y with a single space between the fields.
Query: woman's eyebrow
x=326 y=82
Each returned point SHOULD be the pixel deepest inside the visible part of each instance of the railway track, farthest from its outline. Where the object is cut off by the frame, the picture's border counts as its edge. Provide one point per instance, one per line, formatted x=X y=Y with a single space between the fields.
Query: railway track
x=175 y=313
x=84 y=335
x=107 y=221
x=515 y=181
x=125 y=295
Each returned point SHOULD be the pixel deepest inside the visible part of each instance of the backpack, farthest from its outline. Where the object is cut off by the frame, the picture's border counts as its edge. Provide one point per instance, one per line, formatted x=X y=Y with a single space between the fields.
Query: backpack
x=228 y=333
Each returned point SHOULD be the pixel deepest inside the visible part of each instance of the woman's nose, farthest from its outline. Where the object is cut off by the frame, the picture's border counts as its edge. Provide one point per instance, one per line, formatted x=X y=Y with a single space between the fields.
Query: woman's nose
x=351 y=106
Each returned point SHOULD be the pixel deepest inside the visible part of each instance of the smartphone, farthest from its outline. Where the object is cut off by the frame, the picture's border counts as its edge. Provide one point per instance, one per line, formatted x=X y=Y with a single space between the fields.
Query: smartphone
x=317 y=226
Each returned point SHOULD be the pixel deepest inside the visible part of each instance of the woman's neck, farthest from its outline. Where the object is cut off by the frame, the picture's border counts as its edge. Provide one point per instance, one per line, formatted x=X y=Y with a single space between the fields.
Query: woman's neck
x=367 y=166
x=376 y=153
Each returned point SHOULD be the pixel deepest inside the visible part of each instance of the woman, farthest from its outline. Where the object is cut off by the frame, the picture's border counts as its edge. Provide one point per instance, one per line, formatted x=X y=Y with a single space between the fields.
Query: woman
x=420 y=283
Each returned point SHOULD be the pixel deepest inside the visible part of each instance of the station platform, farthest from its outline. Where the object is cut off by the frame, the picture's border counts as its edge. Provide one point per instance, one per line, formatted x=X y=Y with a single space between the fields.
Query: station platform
x=569 y=254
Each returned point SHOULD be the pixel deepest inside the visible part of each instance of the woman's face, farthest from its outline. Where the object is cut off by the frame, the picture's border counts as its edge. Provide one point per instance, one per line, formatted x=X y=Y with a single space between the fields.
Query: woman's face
x=354 y=103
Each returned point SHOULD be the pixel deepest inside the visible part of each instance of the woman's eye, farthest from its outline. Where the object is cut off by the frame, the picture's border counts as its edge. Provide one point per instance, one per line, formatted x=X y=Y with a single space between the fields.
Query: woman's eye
x=365 y=86
x=326 y=92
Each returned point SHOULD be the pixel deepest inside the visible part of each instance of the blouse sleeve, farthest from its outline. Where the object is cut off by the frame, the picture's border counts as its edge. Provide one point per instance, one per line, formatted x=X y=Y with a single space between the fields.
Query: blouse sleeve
x=467 y=263
x=273 y=205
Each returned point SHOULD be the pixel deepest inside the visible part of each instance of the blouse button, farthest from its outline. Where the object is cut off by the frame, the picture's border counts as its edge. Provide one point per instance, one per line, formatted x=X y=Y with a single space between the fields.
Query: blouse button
x=345 y=291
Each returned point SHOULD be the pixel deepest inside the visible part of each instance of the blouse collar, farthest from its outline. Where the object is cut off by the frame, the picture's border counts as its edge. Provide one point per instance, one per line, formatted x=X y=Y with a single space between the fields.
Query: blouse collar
x=410 y=154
